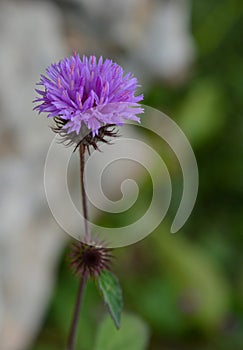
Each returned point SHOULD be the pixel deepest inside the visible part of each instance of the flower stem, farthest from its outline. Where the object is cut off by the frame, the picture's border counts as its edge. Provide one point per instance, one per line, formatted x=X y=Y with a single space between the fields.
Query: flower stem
x=84 y=198
x=84 y=276
x=74 y=325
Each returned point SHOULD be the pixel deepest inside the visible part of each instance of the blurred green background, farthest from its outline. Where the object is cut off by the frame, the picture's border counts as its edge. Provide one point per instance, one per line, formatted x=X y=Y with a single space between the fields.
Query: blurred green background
x=185 y=290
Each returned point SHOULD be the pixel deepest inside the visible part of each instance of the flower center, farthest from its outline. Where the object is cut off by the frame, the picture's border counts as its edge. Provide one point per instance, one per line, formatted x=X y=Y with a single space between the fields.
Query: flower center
x=92 y=258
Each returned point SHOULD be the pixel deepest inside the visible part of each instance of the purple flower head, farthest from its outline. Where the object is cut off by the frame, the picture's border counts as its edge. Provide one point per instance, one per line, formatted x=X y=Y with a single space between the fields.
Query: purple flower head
x=90 y=94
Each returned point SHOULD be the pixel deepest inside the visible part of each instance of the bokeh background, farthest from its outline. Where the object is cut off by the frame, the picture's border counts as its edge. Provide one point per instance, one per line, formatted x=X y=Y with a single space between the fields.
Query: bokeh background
x=182 y=291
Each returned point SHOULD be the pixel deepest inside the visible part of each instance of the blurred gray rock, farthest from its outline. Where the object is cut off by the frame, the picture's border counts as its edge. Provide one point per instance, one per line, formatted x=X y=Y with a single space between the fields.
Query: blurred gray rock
x=30 y=240
x=153 y=38
x=167 y=48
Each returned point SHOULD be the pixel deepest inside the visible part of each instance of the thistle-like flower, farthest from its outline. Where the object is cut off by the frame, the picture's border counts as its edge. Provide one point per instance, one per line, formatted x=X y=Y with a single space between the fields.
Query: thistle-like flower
x=90 y=259
x=86 y=97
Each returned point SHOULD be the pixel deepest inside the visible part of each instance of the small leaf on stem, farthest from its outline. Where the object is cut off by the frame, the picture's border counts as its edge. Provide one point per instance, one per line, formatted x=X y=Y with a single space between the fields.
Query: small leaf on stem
x=112 y=295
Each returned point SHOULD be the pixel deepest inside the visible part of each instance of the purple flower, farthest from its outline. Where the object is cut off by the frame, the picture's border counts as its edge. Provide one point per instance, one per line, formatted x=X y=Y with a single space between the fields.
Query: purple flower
x=88 y=93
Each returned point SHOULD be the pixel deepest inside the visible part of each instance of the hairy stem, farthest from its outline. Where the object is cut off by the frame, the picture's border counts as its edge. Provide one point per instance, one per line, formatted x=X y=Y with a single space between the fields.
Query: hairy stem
x=74 y=324
x=84 y=198
x=83 y=279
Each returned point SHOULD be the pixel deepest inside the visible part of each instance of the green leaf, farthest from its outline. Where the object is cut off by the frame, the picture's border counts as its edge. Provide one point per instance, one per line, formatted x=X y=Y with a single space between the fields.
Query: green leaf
x=133 y=334
x=112 y=295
